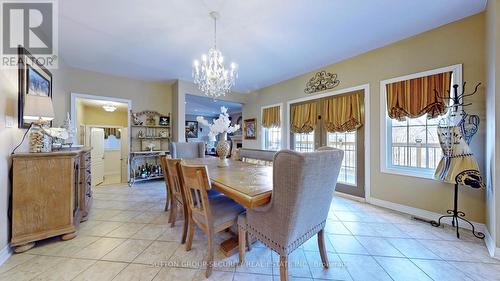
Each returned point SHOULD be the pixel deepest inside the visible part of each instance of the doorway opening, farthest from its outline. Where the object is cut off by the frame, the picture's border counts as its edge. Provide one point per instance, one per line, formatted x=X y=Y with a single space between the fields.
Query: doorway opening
x=103 y=124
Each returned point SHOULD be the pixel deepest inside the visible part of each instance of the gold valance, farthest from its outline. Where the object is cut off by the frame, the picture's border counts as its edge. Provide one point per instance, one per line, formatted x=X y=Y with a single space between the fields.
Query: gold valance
x=112 y=131
x=416 y=97
x=271 y=117
x=343 y=113
x=303 y=117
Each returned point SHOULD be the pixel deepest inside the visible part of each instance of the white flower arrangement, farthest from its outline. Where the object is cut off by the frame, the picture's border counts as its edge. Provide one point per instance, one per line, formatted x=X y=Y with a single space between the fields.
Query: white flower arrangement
x=220 y=125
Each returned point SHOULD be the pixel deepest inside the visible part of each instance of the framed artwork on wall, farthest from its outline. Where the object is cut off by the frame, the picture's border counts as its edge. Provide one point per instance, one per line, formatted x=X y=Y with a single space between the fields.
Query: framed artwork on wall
x=191 y=129
x=33 y=79
x=164 y=121
x=249 y=129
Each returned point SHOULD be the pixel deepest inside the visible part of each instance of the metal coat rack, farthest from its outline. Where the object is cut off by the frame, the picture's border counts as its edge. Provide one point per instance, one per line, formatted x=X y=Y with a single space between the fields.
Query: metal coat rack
x=469 y=125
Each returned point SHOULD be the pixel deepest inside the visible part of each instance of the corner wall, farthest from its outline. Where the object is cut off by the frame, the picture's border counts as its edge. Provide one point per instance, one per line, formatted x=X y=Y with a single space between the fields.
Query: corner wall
x=461 y=42
x=493 y=119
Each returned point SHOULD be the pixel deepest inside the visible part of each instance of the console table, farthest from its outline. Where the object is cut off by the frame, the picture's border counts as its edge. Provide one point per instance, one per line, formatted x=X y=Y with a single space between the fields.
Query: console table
x=51 y=194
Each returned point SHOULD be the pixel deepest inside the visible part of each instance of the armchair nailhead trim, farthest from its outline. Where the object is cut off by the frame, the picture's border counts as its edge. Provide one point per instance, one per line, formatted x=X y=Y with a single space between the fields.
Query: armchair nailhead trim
x=280 y=249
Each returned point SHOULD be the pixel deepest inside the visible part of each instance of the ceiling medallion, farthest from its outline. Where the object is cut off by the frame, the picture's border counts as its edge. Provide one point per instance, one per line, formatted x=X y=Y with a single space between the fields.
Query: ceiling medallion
x=321 y=81
x=210 y=75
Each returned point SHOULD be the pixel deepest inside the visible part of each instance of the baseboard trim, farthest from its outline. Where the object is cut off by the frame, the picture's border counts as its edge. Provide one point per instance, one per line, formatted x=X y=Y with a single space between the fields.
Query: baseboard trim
x=491 y=245
x=5 y=254
x=420 y=213
x=349 y=196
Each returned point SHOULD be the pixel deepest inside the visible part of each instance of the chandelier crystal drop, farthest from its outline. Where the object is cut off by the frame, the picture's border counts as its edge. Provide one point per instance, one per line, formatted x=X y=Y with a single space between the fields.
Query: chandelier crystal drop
x=211 y=76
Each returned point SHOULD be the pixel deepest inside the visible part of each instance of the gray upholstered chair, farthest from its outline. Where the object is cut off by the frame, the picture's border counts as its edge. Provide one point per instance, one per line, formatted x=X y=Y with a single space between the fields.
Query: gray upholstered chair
x=303 y=187
x=257 y=156
x=187 y=150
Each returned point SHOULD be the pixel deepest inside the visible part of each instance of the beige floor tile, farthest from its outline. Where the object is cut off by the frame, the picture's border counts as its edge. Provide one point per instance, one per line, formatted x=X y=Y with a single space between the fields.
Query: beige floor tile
x=101 y=271
x=258 y=260
x=411 y=248
x=216 y=276
x=173 y=234
x=378 y=246
x=104 y=214
x=126 y=230
x=402 y=269
x=251 y=277
x=311 y=245
x=145 y=217
x=57 y=247
x=158 y=253
x=336 y=271
x=101 y=229
x=65 y=270
x=176 y=274
x=17 y=275
x=297 y=264
x=440 y=270
x=15 y=260
x=127 y=251
x=99 y=248
x=336 y=227
x=150 y=232
x=137 y=272
x=362 y=267
x=125 y=216
x=39 y=264
x=346 y=244
x=479 y=271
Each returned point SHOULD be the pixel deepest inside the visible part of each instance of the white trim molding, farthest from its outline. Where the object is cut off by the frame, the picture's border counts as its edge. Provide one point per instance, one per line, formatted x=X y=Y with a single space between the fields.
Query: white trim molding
x=384 y=119
x=493 y=250
x=282 y=124
x=366 y=89
x=5 y=254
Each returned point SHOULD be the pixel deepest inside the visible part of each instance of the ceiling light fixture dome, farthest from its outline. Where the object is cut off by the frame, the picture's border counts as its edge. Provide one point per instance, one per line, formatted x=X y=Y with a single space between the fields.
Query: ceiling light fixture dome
x=211 y=76
x=109 y=107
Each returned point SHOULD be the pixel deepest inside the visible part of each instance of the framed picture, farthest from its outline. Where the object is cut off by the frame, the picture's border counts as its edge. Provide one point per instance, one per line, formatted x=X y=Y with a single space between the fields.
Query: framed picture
x=33 y=79
x=249 y=129
x=164 y=121
x=191 y=129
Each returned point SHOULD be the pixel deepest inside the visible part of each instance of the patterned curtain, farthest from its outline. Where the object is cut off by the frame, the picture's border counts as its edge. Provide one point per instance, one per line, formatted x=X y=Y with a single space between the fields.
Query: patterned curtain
x=416 y=97
x=112 y=131
x=303 y=117
x=271 y=117
x=343 y=113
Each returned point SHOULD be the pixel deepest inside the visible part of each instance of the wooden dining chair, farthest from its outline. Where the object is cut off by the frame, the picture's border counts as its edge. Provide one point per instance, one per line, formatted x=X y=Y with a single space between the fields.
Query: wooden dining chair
x=210 y=214
x=178 y=199
x=163 y=164
x=303 y=187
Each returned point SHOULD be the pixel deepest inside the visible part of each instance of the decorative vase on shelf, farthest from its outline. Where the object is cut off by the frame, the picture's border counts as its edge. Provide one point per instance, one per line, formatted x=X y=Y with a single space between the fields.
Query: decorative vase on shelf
x=223 y=151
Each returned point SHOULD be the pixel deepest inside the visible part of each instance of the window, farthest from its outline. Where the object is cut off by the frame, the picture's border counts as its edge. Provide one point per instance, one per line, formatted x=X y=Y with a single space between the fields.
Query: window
x=411 y=147
x=272 y=122
x=304 y=142
x=414 y=143
x=345 y=141
x=272 y=138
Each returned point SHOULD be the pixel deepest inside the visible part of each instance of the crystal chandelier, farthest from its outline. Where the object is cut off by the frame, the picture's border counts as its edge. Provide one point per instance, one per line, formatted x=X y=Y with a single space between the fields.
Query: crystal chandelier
x=212 y=78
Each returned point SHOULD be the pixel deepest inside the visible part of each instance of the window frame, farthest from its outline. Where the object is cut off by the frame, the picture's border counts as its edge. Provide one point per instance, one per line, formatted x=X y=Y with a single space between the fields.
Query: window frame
x=385 y=123
x=263 y=132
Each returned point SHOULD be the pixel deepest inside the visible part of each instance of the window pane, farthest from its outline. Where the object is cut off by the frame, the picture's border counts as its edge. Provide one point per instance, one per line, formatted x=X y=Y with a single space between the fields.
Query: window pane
x=417 y=121
x=304 y=142
x=272 y=138
x=346 y=142
x=395 y=123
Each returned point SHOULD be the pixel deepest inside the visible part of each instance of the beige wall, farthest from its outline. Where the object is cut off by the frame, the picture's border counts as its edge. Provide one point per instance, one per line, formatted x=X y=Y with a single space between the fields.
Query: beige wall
x=493 y=118
x=97 y=116
x=144 y=95
x=459 y=42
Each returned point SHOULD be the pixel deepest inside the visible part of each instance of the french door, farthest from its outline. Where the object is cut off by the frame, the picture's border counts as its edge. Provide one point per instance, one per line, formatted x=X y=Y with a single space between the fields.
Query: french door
x=351 y=179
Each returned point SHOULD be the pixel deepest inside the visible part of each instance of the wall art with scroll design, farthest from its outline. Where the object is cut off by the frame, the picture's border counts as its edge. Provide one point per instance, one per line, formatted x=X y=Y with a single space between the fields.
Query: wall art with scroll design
x=321 y=81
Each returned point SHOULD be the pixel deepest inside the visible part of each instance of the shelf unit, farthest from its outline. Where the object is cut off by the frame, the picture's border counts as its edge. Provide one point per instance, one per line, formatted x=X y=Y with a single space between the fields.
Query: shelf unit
x=148 y=141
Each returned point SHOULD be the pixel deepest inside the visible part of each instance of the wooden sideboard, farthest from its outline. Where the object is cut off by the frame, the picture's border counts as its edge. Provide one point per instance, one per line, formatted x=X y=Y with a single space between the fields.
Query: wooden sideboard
x=51 y=194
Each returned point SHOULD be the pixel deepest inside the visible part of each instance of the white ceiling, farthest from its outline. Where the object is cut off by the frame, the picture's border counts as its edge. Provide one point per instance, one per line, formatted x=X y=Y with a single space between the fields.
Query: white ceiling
x=197 y=105
x=271 y=40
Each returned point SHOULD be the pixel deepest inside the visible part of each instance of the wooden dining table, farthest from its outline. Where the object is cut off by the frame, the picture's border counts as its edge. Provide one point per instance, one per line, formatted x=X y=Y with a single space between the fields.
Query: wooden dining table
x=248 y=184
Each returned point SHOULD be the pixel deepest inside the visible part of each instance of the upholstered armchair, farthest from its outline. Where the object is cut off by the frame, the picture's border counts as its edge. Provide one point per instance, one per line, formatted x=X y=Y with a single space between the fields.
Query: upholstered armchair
x=187 y=150
x=303 y=187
